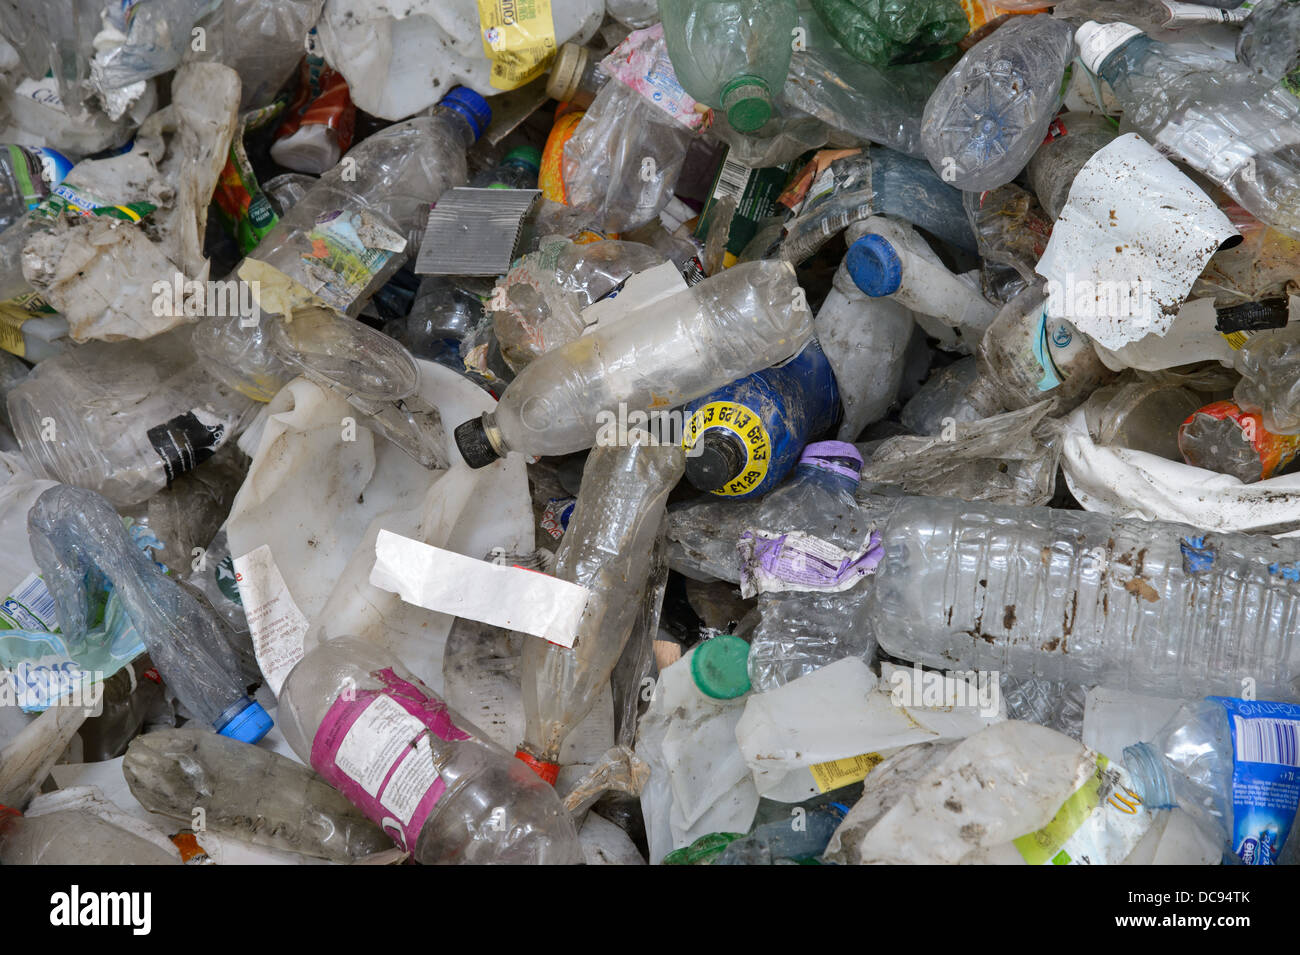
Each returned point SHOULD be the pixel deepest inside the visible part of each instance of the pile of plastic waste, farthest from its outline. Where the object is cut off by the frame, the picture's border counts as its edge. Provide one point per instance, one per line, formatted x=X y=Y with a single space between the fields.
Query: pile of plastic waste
x=618 y=432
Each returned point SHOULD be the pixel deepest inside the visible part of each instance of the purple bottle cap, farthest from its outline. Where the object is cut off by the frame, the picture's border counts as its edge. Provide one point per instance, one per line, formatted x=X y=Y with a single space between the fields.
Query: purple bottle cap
x=838 y=457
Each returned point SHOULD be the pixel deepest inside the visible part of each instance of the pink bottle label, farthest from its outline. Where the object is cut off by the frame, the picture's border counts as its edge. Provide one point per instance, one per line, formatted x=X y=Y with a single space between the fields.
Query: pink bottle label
x=373 y=746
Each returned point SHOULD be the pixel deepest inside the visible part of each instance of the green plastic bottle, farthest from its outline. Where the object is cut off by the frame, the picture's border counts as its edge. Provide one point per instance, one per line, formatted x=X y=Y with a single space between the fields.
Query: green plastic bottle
x=732 y=56
x=885 y=32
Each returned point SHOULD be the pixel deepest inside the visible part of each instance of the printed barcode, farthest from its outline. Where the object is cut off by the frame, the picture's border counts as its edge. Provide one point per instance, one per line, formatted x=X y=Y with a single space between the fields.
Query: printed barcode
x=731 y=180
x=35 y=596
x=1262 y=740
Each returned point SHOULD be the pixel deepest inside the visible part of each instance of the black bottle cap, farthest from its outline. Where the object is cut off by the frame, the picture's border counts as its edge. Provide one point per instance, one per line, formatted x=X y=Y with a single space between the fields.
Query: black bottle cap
x=472 y=440
x=719 y=456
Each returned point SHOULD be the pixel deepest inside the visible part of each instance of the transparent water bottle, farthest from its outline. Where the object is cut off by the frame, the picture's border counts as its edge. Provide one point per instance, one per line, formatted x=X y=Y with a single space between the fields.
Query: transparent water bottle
x=424 y=774
x=1153 y=607
x=805 y=555
x=251 y=793
x=991 y=112
x=607 y=549
x=124 y=418
x=76 y=536
x=1228 y=123
x=747 y=318
x=1230 y=763
x=730 y=55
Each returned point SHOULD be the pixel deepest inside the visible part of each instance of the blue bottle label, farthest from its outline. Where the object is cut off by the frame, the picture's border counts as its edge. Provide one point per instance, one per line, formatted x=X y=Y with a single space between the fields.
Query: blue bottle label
x=1265 y=776
x=774 y=412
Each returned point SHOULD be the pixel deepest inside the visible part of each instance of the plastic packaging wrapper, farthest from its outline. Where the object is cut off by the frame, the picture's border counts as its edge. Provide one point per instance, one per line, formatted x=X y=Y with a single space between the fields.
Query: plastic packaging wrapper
x=1010 y=458
x=113 y=279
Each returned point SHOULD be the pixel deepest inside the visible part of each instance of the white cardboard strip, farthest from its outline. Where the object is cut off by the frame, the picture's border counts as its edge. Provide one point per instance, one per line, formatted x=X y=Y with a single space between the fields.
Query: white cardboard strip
x=451 y=583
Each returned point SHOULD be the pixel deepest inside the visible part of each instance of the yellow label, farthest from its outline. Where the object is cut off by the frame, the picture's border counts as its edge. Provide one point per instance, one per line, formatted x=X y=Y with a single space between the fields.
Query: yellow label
x=1236 y=340
x=518 y=37
x=844 y=772
x=745 y=425
x=11 y=328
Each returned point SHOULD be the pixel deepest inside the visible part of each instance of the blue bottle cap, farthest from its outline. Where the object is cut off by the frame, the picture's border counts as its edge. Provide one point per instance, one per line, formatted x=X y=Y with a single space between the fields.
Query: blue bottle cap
x=248 y=722
x=874 y=266
x=470 y=105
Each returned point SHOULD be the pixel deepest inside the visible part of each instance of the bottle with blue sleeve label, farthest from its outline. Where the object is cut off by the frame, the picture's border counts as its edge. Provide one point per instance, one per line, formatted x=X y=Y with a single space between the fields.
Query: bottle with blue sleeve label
x=1234 y=765
x=744 y=439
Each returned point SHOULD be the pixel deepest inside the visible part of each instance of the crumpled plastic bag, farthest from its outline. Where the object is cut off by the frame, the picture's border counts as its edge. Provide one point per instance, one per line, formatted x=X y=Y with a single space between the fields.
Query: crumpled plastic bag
x=102 y=272
x=622 y=163
x=1010 y=458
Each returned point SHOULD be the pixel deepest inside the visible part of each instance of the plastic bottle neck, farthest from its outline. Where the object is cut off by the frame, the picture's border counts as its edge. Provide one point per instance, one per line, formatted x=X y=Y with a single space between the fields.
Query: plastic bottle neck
x=457 y=124
x=1150 y=777
x=826 y=478
x=1123 y=60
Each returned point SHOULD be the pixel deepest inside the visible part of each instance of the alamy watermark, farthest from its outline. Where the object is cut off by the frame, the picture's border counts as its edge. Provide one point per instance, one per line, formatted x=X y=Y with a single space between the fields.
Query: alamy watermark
x=957 y=689
x=1098 y=298
x=232 y=298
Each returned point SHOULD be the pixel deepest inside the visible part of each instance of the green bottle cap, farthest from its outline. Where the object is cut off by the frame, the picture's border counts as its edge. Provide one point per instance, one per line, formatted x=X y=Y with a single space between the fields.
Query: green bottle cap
x=530 y=156
x=747 y=102
x=720 y=669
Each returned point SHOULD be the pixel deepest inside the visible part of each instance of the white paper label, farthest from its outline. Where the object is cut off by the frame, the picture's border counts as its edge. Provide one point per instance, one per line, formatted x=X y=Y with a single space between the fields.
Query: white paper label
x=375 y=742
x=274 y=620
x=451 y=583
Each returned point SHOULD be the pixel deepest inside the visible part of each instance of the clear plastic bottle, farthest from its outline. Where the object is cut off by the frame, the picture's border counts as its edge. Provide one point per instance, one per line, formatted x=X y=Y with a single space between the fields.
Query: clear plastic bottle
x=349 y=233
x=1073 y=138
x=992 y=110
x=607 y=549
x=865 y=340
x=887 y=257
x=1270 y=42
x=77 y=536
x=251 y=793
x=747 y=318
x=730 y=55
x=1222 y=119
x=1153 y=607
x=806 y=553
x=877 y=104
x=424 y=774
x=124 y=418
x=547 y=290
x=441 y=313
x=1230 y=763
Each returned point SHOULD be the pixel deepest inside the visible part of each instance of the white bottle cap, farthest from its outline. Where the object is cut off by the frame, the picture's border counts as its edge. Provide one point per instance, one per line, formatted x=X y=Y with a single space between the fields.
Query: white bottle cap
x=1096 y=41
